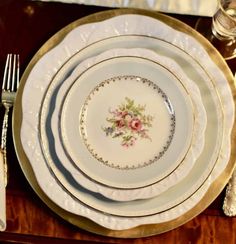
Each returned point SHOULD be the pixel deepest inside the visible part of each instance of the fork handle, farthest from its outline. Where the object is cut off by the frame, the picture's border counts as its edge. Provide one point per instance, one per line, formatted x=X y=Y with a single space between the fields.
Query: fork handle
x=4 y=143
x=4 y=129
x=3 y=166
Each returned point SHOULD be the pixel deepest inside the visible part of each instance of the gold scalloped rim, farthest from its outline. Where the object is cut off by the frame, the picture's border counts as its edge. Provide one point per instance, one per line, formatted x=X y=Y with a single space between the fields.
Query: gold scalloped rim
x=82 y=222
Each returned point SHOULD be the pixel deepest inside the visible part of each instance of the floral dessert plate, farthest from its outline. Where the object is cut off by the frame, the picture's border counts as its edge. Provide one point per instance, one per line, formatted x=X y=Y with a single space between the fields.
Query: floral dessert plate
x=63 y=168
x=127 y=122
x=30 y=143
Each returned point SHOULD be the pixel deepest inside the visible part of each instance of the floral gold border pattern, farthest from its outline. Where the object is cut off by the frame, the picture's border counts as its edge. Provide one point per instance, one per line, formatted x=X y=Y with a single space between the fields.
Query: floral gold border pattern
x=135 y=165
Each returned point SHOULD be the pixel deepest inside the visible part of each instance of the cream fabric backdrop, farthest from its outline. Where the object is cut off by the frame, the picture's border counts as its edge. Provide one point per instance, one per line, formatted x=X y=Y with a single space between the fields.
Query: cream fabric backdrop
x=192 y=7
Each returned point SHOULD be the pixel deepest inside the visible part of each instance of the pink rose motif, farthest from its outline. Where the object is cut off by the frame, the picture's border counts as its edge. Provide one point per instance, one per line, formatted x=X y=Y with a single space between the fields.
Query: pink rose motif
x=128 y=122
x=123 y=114
x=135 y=124
x=120 y=123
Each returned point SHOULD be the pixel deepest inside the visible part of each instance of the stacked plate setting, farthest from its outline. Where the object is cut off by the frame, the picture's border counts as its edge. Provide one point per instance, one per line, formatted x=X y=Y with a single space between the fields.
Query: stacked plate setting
x=127 y=122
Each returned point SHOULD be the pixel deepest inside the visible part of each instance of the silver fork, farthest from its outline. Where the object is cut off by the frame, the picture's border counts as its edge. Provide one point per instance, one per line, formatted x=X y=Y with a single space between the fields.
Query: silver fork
x=9 y=88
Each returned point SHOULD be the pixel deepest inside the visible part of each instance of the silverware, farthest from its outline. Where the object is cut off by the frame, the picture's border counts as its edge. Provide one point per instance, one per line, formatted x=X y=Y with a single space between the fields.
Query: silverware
x=229 y=205
x=9 y=88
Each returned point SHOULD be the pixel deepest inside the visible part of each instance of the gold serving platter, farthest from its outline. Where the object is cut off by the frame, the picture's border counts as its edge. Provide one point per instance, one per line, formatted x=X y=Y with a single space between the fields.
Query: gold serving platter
x=84 y=223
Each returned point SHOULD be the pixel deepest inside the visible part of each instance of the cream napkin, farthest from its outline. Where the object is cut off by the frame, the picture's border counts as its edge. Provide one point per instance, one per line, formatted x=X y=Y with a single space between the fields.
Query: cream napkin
x=2 y=196
x=191 y=7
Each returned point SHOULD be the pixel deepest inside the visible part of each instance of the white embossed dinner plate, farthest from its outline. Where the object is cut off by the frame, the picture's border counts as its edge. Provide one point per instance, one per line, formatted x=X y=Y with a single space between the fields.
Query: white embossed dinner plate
x=115 y=56
x=59 y=163
x=49 y=185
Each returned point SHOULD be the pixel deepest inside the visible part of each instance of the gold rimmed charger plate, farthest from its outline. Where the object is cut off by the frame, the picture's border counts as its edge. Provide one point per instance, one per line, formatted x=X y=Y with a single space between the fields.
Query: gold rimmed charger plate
x=144 y=230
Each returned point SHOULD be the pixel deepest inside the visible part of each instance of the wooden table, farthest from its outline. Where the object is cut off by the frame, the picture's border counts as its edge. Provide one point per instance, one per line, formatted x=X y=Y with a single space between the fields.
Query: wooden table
x=24 y=27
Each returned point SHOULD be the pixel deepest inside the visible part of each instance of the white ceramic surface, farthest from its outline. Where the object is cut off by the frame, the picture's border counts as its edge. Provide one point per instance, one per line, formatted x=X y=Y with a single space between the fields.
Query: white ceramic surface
x=135 y=166
x=71 y=117
x=115 y=26
x=65 y=173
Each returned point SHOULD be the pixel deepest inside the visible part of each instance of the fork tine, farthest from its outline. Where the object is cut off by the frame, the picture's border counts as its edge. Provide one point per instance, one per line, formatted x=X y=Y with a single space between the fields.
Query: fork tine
x=18 y=71
x=13 y=78
x=15 y=68
x=9 y=72
x=5 y=73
